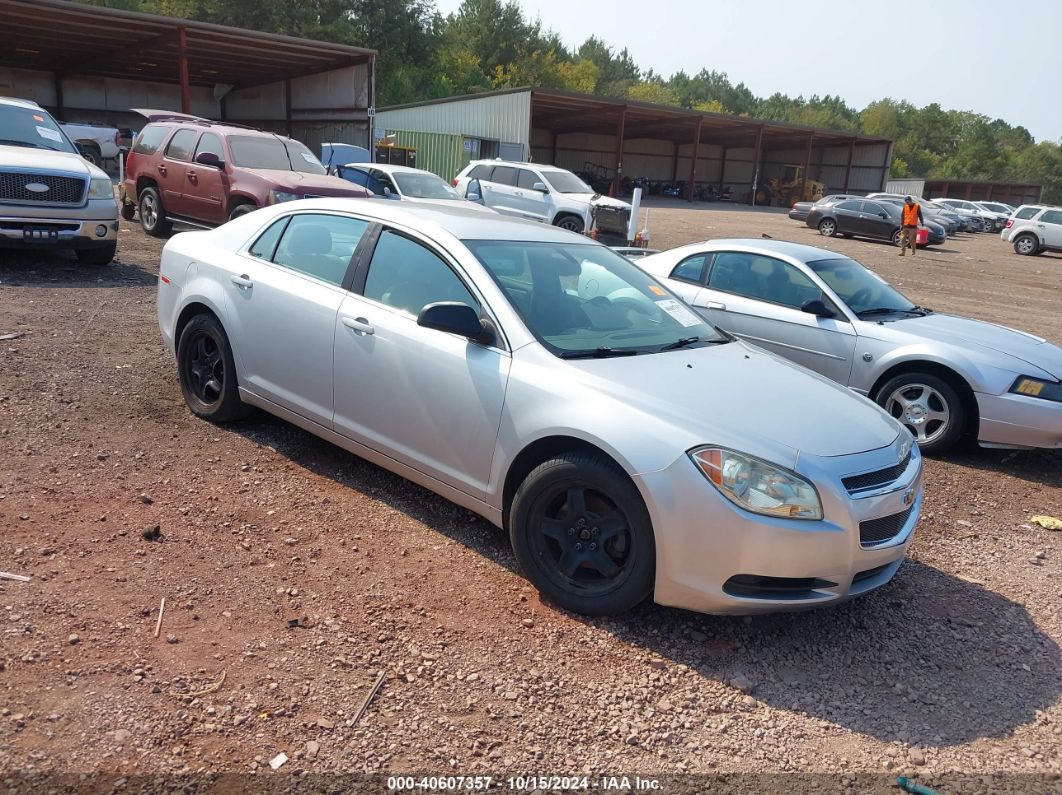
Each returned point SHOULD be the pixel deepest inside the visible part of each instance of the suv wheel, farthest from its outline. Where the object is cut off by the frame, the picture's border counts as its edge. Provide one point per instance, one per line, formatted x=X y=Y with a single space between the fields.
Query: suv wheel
x=241 y=209
x=153 y=214
x=1026 y=244
x=572 y=223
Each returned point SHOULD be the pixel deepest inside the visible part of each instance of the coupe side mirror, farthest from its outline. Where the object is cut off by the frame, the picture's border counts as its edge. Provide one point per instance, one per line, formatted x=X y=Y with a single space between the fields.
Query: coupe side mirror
x=457 y=318
x=817 y=307
x=209 y=159
x=540 y=187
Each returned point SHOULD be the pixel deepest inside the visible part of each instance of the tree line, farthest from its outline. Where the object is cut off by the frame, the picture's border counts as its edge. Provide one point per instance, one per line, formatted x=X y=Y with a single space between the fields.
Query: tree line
x=491 y=44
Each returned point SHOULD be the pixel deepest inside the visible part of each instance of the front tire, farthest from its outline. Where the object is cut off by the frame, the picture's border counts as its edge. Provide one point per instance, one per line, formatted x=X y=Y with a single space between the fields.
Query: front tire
x=827 y=227
x=207 y=371
x=152 y=214
x=97 y=256
x=241 y=209
x=572 y=223
x=1027 y=245
x=583 y=536
x=928 y=406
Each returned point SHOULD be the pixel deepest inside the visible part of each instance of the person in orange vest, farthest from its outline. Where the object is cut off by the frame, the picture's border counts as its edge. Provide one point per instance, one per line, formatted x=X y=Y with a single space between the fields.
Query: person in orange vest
x=912 y=217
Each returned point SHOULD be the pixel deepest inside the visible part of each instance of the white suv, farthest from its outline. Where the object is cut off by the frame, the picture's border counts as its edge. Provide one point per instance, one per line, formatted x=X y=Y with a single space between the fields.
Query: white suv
x=1034 y=229
x=542 y=193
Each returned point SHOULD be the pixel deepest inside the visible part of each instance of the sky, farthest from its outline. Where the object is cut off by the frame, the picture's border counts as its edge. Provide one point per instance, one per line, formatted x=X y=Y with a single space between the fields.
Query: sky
x=963 y=54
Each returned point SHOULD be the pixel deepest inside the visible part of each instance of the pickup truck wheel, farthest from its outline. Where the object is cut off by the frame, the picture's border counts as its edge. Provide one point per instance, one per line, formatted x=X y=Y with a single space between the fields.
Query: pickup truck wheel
x=572 y=223
x=1027 y=244
x=153 y=214
x=97 y=256
x=241 y=209
x=92 y=153
x=583 y=536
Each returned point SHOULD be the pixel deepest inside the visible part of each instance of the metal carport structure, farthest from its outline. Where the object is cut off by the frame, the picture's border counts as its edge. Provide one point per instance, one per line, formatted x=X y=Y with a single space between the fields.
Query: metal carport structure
x=68 y=55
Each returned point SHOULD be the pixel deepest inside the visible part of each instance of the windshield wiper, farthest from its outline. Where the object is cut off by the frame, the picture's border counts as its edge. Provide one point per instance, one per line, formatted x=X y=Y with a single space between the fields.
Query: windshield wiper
x=32 y=144
x=922 y=310
x=603 y=352
x=682 y=343
x=880 y=310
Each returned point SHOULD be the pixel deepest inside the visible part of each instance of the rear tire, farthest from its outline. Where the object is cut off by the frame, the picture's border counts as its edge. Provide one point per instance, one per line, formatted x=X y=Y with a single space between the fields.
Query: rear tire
x=207 y=371
x=583 y=536
x=97 y=256
x=128 y=211
x=152 y=214
x=827 y=227
x=92 y=154
x=1027 y=245
x=895 y=239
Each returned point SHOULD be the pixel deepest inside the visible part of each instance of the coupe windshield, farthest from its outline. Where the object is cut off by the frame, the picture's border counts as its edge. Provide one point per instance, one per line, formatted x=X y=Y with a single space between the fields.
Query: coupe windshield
x=862 y=290
x=32 y=128
x=566 y=182
x=279 y=154
x=582 y=299
x=423 y=186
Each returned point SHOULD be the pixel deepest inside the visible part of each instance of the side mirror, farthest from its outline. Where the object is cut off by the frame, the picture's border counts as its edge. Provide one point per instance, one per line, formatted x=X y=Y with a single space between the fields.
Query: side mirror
x=883 y=215
x=540 y=187
x=817 y=307
x=456 y=318
x=208 y=159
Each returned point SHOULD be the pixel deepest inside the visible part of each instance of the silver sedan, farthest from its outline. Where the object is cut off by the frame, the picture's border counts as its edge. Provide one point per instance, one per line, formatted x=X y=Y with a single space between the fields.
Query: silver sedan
x=940 y=375
x=626 y=446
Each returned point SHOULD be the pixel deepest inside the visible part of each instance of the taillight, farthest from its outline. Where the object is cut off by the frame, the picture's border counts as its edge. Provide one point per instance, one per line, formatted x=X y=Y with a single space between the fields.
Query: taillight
x=117 y=138
x=454 y=183
x=1009 y=224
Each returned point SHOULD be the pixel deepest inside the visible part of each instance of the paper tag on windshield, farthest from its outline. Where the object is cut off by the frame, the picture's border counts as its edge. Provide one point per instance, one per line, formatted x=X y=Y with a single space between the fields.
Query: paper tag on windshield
x=683 y=315
x=51 y=135
x=308 y=158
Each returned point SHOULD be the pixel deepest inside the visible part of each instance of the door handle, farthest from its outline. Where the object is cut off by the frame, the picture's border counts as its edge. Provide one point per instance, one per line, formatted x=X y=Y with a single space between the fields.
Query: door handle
x=192 y=176
x=243 y=281
x=359 y=324
x=714 y=305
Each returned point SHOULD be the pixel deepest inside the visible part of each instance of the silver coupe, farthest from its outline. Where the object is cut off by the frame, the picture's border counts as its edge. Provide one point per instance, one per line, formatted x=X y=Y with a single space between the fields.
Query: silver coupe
x=626 y=446
x=940 y=375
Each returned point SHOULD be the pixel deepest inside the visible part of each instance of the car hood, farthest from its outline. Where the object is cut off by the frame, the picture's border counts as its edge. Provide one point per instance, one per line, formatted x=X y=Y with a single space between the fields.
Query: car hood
x=46 y=160
x=740 y=396
x=600 y=201
x=318 y=184
x=977 y=335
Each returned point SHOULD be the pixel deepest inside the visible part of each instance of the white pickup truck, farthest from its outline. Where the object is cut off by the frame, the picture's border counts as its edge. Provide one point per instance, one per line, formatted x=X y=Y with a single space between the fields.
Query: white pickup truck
x=97 y=142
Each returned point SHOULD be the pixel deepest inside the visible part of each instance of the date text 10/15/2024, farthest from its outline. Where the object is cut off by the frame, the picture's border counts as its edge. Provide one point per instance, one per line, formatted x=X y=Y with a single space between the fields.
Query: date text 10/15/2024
x=528 y=783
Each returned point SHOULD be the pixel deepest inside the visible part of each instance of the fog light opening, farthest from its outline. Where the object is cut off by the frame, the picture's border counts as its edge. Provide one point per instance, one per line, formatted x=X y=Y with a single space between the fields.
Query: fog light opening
x=101 y=230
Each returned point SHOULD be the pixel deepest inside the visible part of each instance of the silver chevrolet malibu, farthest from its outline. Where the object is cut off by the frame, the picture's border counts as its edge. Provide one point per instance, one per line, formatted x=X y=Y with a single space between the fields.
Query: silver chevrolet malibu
x=627 y=446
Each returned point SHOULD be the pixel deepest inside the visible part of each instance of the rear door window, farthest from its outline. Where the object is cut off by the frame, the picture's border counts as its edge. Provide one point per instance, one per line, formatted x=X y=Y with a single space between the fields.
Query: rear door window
x=691 y=269
x=850 y=206
x=504 y=175
x=1052 y=217
x=480 y=172
x=319 y=245
x=150 y=138
x=181 y=144
x=1025 y=213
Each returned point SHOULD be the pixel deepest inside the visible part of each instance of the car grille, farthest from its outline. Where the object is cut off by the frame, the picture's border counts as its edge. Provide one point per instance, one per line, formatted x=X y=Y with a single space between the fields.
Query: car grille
x=872 y=480
x=875 y=532
x=61 y=190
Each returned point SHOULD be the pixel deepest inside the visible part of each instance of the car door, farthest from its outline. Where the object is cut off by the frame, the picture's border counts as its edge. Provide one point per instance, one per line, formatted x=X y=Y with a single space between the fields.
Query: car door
x=171 y=170
x=429 y=399
x=499 y=192
x=876 y=221
x=759 y=299
x=848 y=217
x=535 y=204
x=205 y=185
x=1049 y=225
x=686 y=279
x=285 y=296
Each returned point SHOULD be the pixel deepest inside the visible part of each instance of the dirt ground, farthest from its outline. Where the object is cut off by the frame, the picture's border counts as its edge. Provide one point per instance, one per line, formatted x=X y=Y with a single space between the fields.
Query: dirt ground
x=950 y=673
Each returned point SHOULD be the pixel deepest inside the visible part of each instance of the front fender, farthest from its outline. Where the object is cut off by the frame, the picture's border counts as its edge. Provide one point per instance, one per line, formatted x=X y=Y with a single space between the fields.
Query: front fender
x=980 y=374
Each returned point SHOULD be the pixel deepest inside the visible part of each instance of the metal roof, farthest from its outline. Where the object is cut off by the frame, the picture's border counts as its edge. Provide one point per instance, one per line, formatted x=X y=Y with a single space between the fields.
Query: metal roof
x=74 y=38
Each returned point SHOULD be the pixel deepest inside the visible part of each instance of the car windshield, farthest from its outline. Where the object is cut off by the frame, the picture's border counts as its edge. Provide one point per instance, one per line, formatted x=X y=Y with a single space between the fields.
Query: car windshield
x=582 y=299
x=861 y=289
x=33 y=128
x=280 y=154
x=423 y=186
x=566 y=182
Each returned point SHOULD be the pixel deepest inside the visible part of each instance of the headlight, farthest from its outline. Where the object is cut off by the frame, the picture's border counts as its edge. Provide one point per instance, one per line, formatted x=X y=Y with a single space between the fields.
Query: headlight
x=1036 y=387
x=100 y=188
x=757 y=486
x=278 y=196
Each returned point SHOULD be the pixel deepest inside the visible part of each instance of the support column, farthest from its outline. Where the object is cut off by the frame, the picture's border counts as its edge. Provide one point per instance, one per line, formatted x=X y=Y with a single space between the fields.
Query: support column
x=693 y=159
x=287 y=108
x=807 y=165
x=371 y=112
x=969 y=191
x=60 y=111
x=619 y=152
x=674 y=162
x=988 y=198
x=756 y=165
x=722 y=171
x=553 y=148
x=182 y=65
x=848 y=165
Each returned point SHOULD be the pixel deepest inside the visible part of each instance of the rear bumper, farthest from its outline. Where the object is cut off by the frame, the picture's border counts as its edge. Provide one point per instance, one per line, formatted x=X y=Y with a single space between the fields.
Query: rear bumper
x=28 y=233
x=1019 y=421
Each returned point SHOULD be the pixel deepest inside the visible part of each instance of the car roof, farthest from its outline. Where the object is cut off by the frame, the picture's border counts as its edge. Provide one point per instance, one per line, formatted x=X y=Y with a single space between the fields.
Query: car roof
x=452 y=219
x=516 y=164
x=797 y=251
x=215 y=126
x=387 y=168
x=21 y=103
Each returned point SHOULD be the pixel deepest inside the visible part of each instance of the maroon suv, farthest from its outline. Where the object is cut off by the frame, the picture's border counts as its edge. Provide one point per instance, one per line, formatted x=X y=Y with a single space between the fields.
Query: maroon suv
x=203 y=173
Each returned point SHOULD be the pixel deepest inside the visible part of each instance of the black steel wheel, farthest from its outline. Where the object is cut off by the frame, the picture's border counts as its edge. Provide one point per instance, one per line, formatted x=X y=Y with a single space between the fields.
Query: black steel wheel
x=207 y=371
x=583 y=535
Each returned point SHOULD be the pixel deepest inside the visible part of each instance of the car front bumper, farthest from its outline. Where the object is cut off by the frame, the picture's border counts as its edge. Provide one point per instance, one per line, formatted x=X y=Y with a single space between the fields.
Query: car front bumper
x=27 y=233
x=1019 y=421
x=709 y=551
